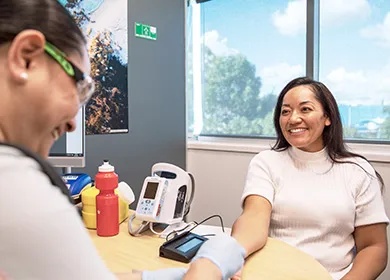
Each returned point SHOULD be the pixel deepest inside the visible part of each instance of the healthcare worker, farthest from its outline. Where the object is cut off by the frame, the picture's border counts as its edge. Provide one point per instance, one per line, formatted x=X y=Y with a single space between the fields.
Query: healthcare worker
x=44 y=79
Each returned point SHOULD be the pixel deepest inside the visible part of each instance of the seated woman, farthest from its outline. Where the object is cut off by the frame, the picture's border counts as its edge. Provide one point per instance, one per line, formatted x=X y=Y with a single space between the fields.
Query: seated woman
x=311 y=192
x=44 y=80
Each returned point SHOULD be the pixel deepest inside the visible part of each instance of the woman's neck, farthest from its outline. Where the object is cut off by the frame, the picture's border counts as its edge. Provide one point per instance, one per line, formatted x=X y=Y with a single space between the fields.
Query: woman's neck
x=2 y=135
x=6 y=116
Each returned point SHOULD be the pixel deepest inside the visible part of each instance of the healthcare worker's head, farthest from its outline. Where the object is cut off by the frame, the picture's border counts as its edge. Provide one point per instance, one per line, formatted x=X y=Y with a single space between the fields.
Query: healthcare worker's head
x=44 y=73
x=307 y=117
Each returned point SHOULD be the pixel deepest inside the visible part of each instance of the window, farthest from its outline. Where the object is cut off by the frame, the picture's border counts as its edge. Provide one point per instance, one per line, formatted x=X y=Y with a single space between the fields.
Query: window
x=355 y=64
x=241 y=53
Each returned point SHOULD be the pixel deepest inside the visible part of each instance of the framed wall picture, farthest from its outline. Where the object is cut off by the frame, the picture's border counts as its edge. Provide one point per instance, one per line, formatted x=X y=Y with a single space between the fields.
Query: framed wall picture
x=105 y=25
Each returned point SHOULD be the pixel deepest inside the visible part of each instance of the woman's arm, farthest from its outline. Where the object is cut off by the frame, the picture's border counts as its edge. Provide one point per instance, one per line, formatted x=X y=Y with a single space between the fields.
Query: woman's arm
x=129 y=276
x=251 y=228
x=218 y=258
x=203 y=269
x=371 y=258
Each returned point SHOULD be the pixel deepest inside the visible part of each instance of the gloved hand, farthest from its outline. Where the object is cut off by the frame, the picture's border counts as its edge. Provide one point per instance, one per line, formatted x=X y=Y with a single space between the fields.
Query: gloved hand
x=237 y=276
x=225 y=252
x=165 y=274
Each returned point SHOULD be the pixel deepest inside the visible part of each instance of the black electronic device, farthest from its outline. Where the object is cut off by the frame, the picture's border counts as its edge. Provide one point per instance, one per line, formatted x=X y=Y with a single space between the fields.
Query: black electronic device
x=182 y=247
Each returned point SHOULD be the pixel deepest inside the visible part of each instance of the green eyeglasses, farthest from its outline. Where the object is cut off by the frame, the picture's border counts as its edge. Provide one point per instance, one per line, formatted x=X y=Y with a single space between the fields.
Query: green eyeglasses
x=84 y=83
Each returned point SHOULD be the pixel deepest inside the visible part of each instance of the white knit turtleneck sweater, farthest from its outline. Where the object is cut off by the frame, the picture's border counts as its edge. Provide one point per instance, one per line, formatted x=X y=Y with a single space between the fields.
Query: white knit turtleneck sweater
x=316 y=204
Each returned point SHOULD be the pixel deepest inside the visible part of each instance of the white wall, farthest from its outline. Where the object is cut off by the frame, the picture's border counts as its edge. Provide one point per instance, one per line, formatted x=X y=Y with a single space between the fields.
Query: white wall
x=220 y=177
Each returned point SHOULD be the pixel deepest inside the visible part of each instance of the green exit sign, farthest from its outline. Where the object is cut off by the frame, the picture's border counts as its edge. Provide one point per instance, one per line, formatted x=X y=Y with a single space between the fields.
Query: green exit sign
x=145 y=31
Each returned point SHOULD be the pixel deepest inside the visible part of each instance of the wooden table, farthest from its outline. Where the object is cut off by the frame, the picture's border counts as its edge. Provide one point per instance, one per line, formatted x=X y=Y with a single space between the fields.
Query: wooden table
x=276 y=261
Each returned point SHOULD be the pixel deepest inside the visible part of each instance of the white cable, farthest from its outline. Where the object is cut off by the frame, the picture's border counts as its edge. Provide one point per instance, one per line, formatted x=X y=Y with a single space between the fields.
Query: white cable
x=152 y=230
x=141 y=228
x=183 y=229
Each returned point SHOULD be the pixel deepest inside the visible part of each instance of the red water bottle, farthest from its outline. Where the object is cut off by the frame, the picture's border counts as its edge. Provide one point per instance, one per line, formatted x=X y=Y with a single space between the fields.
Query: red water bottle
x=107 y=211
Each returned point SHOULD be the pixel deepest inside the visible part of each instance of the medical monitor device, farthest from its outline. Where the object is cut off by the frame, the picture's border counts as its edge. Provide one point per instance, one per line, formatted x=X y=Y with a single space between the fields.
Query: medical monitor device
x=69 y=150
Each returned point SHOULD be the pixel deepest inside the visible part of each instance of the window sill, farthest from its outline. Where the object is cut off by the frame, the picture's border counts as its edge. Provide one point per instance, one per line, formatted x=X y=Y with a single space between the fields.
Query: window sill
x=373 y=152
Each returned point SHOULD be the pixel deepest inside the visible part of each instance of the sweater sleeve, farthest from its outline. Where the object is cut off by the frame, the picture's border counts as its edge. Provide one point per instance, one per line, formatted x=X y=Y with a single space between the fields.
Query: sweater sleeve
x=42 y=235
x=368 y=198
x=259 y=180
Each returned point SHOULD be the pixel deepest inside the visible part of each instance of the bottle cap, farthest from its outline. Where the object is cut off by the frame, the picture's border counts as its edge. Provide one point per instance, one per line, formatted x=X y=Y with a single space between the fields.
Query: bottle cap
x=106 y=167
x=125 y=193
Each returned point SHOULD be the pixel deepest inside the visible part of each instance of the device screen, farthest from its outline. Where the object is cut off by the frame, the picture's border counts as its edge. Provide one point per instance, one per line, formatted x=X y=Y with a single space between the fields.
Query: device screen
x=189 y=245
x=151 y=189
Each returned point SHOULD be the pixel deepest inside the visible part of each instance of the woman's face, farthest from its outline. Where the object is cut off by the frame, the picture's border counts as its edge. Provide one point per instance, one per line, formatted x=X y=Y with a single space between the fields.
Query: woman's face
x=62 y=99
x=302 y=119
x=46 y=102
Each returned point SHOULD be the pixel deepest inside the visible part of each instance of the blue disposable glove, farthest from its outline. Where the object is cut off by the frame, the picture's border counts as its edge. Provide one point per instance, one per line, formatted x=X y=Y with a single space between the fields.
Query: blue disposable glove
x=225 y=252
x=165 y=274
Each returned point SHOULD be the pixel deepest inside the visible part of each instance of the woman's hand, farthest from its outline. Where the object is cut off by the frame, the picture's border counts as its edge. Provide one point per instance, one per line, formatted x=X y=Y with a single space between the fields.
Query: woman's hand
x=224 y=252
x=203 y=269
x=237 y=276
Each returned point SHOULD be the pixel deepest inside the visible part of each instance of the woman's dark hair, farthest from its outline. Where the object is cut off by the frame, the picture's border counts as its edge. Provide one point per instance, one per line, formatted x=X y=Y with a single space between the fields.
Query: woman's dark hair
x=332 y=135
x=46 y=16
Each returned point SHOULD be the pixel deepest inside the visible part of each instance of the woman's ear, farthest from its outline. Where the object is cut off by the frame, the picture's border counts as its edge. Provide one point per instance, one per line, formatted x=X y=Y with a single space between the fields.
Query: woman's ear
x=327 y=121
x=26 y=47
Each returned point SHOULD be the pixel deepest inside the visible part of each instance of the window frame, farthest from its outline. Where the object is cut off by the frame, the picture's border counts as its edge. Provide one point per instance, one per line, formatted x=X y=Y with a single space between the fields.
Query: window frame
x=376 y=151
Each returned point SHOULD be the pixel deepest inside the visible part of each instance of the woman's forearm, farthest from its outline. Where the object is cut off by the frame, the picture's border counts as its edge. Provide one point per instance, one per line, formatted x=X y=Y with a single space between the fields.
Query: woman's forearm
x=203 y=269
x=129 y=276
x=369 y=263
x=251 y=232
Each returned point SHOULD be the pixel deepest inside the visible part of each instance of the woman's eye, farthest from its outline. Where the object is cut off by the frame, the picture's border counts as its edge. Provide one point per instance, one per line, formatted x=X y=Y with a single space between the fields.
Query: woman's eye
x=285 y=112
x=306 y=109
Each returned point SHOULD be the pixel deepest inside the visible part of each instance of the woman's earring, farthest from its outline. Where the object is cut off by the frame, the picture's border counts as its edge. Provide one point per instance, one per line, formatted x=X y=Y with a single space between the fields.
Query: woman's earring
x=24 y=75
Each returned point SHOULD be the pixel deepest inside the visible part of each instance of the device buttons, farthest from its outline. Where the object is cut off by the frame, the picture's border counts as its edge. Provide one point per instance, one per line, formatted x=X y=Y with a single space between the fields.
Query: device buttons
x=147 y=206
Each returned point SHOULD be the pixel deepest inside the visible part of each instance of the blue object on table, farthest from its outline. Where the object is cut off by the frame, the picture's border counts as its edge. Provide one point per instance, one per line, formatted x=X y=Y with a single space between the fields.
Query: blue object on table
x=76 y=182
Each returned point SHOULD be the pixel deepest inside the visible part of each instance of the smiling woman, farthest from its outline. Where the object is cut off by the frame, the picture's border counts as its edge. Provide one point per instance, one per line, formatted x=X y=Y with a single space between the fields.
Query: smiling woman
x=50 y=115
x=43 y=82
x=44 y=79
x=311 y=192
x=302 y=119
x=323 y=118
